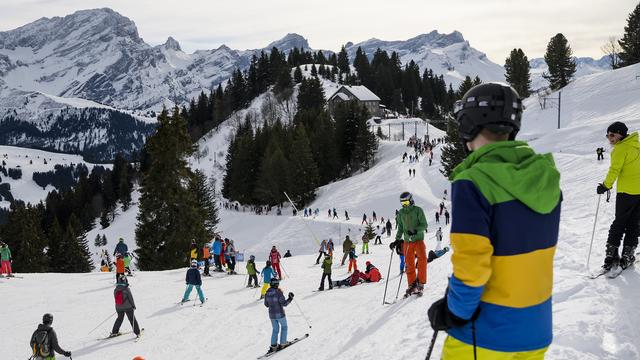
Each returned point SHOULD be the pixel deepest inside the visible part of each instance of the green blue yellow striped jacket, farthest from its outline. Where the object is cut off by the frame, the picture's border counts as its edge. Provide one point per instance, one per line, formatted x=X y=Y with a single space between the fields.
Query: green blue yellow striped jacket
x=504 y=229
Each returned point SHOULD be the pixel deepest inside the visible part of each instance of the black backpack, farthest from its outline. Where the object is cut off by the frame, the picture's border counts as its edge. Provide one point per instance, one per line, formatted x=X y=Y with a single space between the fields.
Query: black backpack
x=40 y=343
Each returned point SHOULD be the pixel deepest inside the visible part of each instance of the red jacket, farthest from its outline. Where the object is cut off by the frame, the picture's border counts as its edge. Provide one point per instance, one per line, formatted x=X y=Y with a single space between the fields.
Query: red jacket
x=274 y=256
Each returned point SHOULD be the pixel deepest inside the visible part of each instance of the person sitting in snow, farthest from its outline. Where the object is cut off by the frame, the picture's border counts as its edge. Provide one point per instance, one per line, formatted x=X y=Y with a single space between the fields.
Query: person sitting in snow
x=371 y=274
x=353 y=280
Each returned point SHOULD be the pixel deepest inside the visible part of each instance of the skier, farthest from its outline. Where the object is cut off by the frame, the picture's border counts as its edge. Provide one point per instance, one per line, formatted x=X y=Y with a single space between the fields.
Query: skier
x=335 y=214
x=600 y=153
x=438 y=238
x=206 y=255
x=127 y=263
x=193 y=251
x=287 y=254
x=321 y=250
x=217 y=250
x=329 y=213
x=267 y=274
x=378 y=240
x=124 y=306
x=346 y=248
x=231 y=253
x=625 y=169
x=371 y=274
x=365 y=243
x=504 y=232
x=375 y=217
x=353 y=280
x=252 y=271
x=326 y=272
x=411 y=226
x=193 y=279
x=274 y=256
x=121 y=247
x=409 y=172
x=437 y=217
x=330 y=247
x=44 y=341
x=364 y=219
x=446 y=217
x=120 y=269
x=352 y=258
x=275 y=301
x=441 y=207
x=388 y=226
x=5 y=259
x=226 y=255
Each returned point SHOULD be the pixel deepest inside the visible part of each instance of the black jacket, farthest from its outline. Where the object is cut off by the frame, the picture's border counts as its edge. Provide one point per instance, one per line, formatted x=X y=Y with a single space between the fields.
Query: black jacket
x=193 y=277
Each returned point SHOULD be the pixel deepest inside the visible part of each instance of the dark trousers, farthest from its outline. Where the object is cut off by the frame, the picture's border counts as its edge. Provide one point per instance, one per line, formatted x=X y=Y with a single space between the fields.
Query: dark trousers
x=328 y=276
x=253 y=278
x=378 y=240
x=600 y=157
x=132 y=321
x=627 y=221
x=206 y=267
x=344 y=257
x=232 y=263
x=216 y=260
x=319 y=256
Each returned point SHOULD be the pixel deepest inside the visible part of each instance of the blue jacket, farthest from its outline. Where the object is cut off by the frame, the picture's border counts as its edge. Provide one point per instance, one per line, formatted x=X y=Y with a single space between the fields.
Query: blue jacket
x=267 y=274
x=121 y=248
x=275 y=301
x=217 y=247
x=193 y=277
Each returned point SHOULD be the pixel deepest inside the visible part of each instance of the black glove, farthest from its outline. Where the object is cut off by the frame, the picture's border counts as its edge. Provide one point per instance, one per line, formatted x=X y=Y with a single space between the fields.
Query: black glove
x=67 y=354
x=601 y=189
x=290 y=295
x=395 y=244
x=412 y=232
x=441 y=318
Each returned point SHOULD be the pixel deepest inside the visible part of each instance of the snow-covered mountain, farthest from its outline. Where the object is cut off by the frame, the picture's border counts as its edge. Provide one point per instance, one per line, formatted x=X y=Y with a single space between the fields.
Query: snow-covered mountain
x=584 y=66
x=446 y=54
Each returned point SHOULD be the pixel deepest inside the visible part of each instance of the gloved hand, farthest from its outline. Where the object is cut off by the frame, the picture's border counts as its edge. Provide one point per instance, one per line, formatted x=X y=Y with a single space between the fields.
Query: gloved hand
x=67 y=354
x=412 y=232
x=395 y=244
x=290 y=295
x=601 y=189
x=441 y=318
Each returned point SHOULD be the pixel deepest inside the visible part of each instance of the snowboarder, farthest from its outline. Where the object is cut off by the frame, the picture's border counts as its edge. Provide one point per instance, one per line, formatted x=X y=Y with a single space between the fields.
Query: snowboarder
x=625 y=169
x=121 y=247
x=231 y=253
x=346 y=248
x=371 y=274
x=389 y=226
x=5 y=260
x=217 y=250
x=352 y=258
x=321 y=250
x=274 y=256
x=44 y=341
x=365 y=243
x=275 y=301
x=411 y=227
x=437 y=217
x=124 y=306
x=206 y=255
x=252 y=271
x=446 y=217
x=499 y=276
x=353 y=280
x=193 y=279
x=364 y=219
x=326 y=272
x=287 y=254
x=600 y=153
x=267 y=274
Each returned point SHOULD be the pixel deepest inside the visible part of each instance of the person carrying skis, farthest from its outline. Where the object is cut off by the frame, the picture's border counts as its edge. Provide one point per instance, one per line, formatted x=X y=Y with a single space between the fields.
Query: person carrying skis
x=275 y=301
x=388 y=226
x=411 y=226
x=5 y=260
x=274 y=256
x=121 y=247
x=267 y=274
x=44 y=341
x=217 y=250
x=498 y=304
x=124 y=306
x=625 y=169
x=352 y=258
x=346 y=248
x=252 y=271
x=326 y=272
x=206 y=255
x=321 y=250
x=371 y=274
x=193 y=279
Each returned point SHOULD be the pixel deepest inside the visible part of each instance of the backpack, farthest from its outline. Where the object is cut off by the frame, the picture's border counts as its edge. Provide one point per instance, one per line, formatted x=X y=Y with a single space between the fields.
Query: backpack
x=119 y=297
x=40 y=343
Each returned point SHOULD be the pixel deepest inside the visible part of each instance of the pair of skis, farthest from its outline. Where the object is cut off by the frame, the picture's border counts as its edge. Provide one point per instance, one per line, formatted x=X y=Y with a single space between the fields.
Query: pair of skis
x=270 y=353
x=111 y=336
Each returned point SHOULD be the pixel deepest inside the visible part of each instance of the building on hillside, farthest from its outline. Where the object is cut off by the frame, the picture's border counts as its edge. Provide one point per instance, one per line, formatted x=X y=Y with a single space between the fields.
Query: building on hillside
x=360 y=94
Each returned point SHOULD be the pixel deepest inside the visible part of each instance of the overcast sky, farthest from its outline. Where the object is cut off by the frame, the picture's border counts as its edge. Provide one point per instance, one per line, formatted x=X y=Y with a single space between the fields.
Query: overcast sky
x=492 y=26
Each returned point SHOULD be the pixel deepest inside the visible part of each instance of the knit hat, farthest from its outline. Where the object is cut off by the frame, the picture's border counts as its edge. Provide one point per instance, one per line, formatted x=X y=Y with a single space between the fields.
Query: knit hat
x=618 y=128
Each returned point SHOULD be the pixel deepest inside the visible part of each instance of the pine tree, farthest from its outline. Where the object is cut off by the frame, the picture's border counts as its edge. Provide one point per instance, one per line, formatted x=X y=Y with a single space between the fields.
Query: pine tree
x=561 y=65
x=314 y=71
x=453 y=152
x=630 y=42
x=75 y=256
x=205 y=199
x=104 y=240
x=311 y=95
x=297 y=75
x=366 y=142
x=465 y=86
x=303 y=169
x=284 y=82
x=369 y=232
x=273 y=178
x=343 y=61
x=97 y=242
x=517 y=72
x=23 y=233
x=104 y=219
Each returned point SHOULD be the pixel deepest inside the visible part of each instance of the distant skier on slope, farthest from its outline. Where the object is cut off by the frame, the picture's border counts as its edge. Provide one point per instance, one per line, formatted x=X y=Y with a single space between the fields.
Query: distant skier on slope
x=44 y=341
x=124 y=306
x=274 y=256
x=5 y=260
x=321 y=250
x=346 y=248
x=411 y=228
x=193 y=279
x=501 y=275
x=121 y=248
x=388 y=226
x=625 y=169
x=275 y=301
x=252 y=271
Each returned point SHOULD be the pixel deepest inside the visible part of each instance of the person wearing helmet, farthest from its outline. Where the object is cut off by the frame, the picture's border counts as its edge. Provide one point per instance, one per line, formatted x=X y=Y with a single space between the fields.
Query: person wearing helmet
x=193 y=279
x=346 y=249
x=274 y=256
x=125 y=305
x=353 y=263
x=267 y=274
x=371 y=274
x=412 y=225
x=5 y=259
x=625 y=169
x=44 y=341
x=275 y=301
x=326 y=272
x=121 y=248
x=120 y=268
x=504 y=229
x=252 y=271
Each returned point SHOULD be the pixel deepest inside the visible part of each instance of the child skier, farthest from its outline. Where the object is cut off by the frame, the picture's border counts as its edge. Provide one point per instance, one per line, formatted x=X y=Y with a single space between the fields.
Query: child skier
x=365 y=243
x=124 y=306
x=120 y=270
x=274 y=256
x=267 y=275
x=44 y=341
x=326 y=272
x=275 y=301
x=193 y=279
x=352 y=258
x=252 y=271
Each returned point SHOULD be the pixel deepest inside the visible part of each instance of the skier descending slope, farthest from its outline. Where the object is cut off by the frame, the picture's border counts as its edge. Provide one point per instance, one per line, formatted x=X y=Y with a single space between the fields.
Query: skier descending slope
x=275 y=301
x=625 y=168
x=193 y=279
x=412 y=226
x=124 y=306
x=498 y=304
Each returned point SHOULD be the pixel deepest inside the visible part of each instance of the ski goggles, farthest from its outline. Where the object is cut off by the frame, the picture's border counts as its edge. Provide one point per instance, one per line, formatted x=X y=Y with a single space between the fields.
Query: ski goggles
x=405 y=203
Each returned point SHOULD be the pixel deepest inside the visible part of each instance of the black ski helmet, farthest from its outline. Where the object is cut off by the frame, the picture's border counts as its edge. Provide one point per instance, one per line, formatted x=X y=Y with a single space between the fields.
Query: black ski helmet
x=47 y=319
x=274 y=282
x=406 y=196
x=494 y=106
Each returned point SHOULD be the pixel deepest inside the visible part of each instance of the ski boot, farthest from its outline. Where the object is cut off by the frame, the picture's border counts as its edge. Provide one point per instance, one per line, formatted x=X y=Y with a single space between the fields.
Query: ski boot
x=272 y=348
x=282 y=346
x=320 y=289
x=628 y=257
x=611 y=258
x=418 y=289
x=410 y=290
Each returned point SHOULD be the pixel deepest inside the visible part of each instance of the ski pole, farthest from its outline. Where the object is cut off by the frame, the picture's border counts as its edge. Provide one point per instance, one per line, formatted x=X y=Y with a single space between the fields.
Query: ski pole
x=399 y=283
x=105 y=320
x=433 y=342
x=285 y=271
x=301 y=312
x=593 y=232
x=384 y=298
